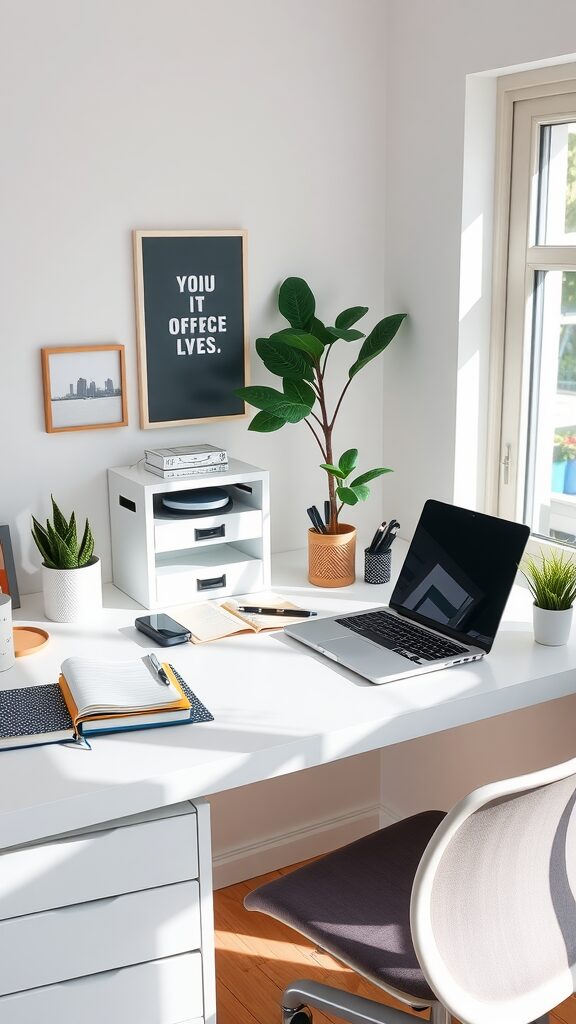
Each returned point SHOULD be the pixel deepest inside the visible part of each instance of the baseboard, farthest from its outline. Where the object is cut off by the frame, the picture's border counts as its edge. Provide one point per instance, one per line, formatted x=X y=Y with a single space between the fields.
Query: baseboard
x=255 y=858
x=387 y=816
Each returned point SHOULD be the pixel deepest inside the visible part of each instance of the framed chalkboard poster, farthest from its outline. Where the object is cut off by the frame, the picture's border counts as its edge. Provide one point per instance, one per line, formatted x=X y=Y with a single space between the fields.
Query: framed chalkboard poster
x=191 y=325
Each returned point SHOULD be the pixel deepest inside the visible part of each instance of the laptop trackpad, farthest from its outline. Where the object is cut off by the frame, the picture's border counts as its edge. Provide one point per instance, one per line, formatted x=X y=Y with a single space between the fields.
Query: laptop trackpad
x=364 y=657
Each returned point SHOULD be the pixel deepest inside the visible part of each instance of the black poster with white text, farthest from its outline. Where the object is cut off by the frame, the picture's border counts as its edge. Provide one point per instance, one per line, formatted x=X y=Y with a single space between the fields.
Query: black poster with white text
x=193 y=301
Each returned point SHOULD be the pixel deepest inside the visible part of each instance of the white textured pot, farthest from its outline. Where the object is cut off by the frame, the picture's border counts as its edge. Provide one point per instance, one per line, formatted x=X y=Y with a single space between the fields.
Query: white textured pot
x=72 y=595
x=551 y=627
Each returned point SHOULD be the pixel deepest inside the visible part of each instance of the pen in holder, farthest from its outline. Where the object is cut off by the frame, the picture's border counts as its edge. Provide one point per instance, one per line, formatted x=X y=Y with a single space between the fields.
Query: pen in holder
x=377 y=565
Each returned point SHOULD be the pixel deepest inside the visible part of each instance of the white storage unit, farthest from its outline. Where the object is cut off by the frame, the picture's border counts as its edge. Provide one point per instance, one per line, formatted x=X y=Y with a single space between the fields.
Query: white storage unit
x=111 y=923
x=161 y=558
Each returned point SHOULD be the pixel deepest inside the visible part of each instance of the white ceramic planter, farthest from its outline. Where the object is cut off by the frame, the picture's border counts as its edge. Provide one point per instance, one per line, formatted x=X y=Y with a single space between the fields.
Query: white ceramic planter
x=551 y=627
x=72 y=595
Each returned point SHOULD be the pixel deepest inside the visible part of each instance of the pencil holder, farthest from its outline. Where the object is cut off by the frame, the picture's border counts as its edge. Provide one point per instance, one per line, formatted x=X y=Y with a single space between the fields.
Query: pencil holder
x=377 y=567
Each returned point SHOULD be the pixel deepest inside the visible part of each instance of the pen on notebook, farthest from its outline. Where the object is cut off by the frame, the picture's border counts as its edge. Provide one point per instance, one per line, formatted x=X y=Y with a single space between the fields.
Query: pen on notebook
x=158 y=669
x=291 y=613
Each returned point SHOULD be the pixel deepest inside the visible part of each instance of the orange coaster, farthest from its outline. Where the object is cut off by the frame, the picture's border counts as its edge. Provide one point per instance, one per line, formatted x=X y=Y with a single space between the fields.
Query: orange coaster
x=28 y=639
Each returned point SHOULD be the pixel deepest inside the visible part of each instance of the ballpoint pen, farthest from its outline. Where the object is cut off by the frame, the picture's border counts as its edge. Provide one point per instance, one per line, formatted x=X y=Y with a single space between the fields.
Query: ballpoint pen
x=376 y=538
x=386 y=542
x=327 y=513
x=316 y=519
x=158 y=669
x=296 y=613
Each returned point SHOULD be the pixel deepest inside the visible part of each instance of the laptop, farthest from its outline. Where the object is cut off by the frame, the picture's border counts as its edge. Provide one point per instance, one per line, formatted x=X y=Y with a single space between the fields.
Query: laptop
x=445 y=608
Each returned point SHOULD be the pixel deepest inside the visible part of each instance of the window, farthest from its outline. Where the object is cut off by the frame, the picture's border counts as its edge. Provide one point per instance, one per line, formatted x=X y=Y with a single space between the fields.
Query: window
x=537 y=437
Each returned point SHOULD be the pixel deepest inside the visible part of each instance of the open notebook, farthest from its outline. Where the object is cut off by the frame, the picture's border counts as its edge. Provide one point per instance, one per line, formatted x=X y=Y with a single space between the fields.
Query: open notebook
x=100 y=695
x=210 y=620
x=95 y=696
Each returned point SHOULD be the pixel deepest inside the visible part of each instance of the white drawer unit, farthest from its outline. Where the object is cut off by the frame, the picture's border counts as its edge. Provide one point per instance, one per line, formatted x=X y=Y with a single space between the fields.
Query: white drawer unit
x=167 y=991
x=163 y=558
x=119 y=915
x=218 y=571
x=97 y=863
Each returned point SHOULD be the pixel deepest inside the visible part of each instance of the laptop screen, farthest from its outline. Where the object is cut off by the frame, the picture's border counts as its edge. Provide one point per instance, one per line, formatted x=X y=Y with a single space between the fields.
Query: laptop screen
x=459 y=571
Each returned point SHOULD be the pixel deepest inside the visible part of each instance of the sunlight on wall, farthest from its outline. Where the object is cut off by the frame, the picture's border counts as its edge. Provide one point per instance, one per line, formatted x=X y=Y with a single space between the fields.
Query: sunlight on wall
x=471 y=254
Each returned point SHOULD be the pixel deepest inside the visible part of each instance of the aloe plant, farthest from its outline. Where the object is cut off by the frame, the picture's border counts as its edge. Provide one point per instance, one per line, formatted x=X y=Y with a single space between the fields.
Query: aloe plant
x=299 y=355
x=58 y=542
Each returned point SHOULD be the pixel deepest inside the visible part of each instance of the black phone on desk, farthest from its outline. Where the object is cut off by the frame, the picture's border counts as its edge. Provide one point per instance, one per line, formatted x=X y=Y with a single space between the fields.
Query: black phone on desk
x=163 y=629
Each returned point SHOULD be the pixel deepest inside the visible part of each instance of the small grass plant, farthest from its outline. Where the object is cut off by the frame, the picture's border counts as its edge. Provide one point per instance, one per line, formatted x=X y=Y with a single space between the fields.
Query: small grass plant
x=58 y=542
x=551 y=579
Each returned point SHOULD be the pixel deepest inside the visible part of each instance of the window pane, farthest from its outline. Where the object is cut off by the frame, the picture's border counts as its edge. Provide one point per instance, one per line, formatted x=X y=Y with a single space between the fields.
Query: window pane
x=557 y=192
x=550 y=493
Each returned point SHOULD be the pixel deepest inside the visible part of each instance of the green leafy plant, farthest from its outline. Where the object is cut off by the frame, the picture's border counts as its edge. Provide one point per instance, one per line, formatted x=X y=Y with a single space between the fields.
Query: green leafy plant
x=552 y=580
x=299 y=355
x=58 y=542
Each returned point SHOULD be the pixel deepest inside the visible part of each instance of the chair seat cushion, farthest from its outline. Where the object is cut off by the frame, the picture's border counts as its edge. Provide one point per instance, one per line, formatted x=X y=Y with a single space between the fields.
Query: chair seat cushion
x=355 y=902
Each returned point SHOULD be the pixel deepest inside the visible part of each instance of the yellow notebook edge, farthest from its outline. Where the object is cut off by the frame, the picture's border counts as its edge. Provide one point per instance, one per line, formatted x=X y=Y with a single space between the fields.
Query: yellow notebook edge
x=183 y=704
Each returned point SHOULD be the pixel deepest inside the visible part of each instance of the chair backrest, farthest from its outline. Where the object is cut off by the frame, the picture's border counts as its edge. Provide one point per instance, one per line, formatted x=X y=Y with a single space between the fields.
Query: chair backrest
x=493 y=911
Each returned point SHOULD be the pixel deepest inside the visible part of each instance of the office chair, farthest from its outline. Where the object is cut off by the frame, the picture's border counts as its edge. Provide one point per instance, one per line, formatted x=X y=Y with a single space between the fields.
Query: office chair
x=470 y=913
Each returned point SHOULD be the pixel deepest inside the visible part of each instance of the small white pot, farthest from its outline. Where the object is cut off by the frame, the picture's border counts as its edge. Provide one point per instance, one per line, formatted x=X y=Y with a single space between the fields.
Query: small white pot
x=552 y=627
x=72 y=595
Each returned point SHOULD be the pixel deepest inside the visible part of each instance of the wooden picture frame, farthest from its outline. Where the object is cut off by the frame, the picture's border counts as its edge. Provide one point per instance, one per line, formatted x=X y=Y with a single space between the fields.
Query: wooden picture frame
x=8 y=581
x=84 y=387
x=192 y=325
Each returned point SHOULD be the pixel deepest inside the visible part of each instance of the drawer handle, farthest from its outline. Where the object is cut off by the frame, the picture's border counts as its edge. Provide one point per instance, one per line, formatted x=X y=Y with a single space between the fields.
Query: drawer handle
x=214 y=584
x=209 y=532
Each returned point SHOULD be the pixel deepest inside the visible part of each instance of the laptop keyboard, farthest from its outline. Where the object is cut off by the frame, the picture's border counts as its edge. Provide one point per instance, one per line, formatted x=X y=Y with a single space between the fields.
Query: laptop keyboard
x=401 y=636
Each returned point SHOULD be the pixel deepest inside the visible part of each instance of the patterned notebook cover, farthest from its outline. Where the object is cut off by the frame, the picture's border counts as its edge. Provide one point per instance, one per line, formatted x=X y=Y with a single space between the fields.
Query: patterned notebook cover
x=199 y=712
x=37 y=711
x=33 y=711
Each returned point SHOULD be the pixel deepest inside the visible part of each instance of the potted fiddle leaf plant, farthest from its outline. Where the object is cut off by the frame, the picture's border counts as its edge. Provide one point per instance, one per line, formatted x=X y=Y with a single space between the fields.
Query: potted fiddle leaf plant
x=299 y=354
x=71 y=576
x=552 y=582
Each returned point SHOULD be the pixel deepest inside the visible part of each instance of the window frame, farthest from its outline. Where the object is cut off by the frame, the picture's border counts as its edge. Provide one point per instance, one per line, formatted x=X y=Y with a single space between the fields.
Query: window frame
x=525 y=101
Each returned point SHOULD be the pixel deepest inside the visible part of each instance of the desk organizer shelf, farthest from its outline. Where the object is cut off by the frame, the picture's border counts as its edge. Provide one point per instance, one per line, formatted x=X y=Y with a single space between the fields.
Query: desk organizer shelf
x=161 y=558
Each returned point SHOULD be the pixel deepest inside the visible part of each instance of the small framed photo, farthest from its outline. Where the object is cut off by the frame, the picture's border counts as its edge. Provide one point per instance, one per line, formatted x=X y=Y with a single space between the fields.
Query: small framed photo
x=8 y=582
x=192 y=329
x=84 y=387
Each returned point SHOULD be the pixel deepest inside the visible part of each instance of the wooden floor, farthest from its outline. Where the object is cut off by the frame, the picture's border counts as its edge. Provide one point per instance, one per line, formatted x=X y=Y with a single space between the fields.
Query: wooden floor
x=256 y=957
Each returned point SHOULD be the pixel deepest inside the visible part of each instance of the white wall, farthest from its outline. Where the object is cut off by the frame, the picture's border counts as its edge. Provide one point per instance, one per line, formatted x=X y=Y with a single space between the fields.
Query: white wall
x=181 y=114
x=185 y=114
x=431 y=48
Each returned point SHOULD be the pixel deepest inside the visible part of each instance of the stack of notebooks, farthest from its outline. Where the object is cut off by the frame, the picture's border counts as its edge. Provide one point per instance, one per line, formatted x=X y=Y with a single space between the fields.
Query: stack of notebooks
x=95 y=697
x=185 y=461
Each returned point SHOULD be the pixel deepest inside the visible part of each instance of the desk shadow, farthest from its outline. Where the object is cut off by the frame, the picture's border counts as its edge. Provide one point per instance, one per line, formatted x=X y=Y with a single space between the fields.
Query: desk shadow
x=131 y=633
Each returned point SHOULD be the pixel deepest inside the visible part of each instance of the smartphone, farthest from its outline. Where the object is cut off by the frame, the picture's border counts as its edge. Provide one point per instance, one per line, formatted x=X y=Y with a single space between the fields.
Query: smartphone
x=164 y=630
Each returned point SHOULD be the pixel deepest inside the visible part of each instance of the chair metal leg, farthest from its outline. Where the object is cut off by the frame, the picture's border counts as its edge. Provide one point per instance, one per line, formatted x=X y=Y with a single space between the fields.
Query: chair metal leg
x=300 y=995
x=439 y=1014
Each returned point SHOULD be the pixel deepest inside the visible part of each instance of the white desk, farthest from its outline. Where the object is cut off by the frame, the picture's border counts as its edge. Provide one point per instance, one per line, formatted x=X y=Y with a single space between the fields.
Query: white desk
x=278 y=708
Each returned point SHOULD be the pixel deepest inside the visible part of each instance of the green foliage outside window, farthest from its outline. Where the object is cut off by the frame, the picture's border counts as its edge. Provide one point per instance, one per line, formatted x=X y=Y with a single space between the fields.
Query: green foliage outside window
x=570 y=224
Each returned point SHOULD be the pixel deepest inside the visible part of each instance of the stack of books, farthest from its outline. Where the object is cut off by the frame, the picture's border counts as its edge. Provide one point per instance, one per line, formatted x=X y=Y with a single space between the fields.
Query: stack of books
x=187 y=460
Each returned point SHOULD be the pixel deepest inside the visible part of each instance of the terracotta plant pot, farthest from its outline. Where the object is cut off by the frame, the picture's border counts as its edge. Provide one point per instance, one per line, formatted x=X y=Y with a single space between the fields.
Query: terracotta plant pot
x=332 y=557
